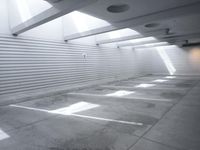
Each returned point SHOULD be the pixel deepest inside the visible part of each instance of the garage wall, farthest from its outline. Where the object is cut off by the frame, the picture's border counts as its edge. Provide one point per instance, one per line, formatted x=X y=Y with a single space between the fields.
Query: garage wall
x=145 y=61
x=30 y=64
x=39 y=61
x=170 y=57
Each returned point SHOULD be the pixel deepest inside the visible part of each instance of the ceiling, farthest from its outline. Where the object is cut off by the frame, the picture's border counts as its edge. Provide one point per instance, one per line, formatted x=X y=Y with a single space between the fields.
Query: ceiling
x=178 y=17
x=137 y=8
x=181 y=25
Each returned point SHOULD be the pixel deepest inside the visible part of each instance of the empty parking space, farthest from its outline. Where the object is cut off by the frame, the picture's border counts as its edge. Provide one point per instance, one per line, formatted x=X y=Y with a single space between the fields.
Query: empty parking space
x=103 y=118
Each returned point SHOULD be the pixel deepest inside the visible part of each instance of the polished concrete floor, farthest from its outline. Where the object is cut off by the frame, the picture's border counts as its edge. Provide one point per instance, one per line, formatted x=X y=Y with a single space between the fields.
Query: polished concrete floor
x=147 y=113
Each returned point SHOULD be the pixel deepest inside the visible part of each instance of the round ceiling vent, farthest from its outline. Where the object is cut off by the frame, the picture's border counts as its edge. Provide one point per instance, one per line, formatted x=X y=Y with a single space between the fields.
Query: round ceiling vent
x=151 y=25
x=118 y=8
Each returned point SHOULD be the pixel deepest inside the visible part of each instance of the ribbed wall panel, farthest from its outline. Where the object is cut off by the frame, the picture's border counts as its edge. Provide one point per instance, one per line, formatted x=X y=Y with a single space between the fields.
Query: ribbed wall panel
x=31 y=64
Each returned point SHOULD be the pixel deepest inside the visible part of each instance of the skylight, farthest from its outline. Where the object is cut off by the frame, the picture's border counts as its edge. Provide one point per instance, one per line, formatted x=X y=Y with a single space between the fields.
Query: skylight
x=146 y=39
x=122 y=32
x=28 y=8
x=85 y=22
x=23 y=9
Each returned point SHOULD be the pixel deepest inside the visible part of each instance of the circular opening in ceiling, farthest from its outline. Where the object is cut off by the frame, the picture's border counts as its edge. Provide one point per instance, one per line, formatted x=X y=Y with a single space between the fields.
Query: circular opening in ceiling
x=118 y=8
x=151 y=25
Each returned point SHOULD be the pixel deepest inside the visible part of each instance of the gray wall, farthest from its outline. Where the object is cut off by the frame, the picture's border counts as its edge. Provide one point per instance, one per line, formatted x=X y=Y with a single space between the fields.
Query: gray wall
x=33 y=63
x=28 y=65
x=152 y=62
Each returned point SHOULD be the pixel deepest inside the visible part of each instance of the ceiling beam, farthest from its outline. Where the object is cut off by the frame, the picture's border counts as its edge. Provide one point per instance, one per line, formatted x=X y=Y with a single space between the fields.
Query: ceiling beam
x=150 y=46
x=138 y=43
x=58 y=9
x=181 y=37
x=161 y=15
x=161 y=32
x=170 y=39
x=191 y=44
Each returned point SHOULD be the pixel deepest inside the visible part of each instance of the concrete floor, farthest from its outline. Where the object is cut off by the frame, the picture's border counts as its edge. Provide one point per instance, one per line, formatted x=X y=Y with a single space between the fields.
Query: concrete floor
x=114 y=116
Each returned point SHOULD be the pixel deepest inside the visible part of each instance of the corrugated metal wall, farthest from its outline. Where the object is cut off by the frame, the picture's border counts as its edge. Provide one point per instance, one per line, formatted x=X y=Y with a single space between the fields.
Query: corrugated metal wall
x=29 y=64
x=145 y=58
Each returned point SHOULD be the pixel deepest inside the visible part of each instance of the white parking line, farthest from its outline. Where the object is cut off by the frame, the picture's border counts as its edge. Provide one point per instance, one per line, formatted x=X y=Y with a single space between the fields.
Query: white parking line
x=80 y=116
x=135 y=98
x=108 y=120
x=30 y=108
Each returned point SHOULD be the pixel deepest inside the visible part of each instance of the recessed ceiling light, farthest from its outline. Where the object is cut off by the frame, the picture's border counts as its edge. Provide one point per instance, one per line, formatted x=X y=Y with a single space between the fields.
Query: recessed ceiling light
x=118 y=8
x=151 y=25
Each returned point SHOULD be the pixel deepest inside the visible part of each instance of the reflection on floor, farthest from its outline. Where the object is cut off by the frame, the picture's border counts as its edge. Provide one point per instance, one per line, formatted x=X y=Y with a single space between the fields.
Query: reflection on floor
x=147 y=113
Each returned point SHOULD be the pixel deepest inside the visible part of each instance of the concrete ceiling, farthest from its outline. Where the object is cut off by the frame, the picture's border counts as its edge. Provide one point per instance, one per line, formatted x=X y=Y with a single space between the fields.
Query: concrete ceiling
x=177 y=25
x=180 y=25
x=137 y=8
x=181 y=17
